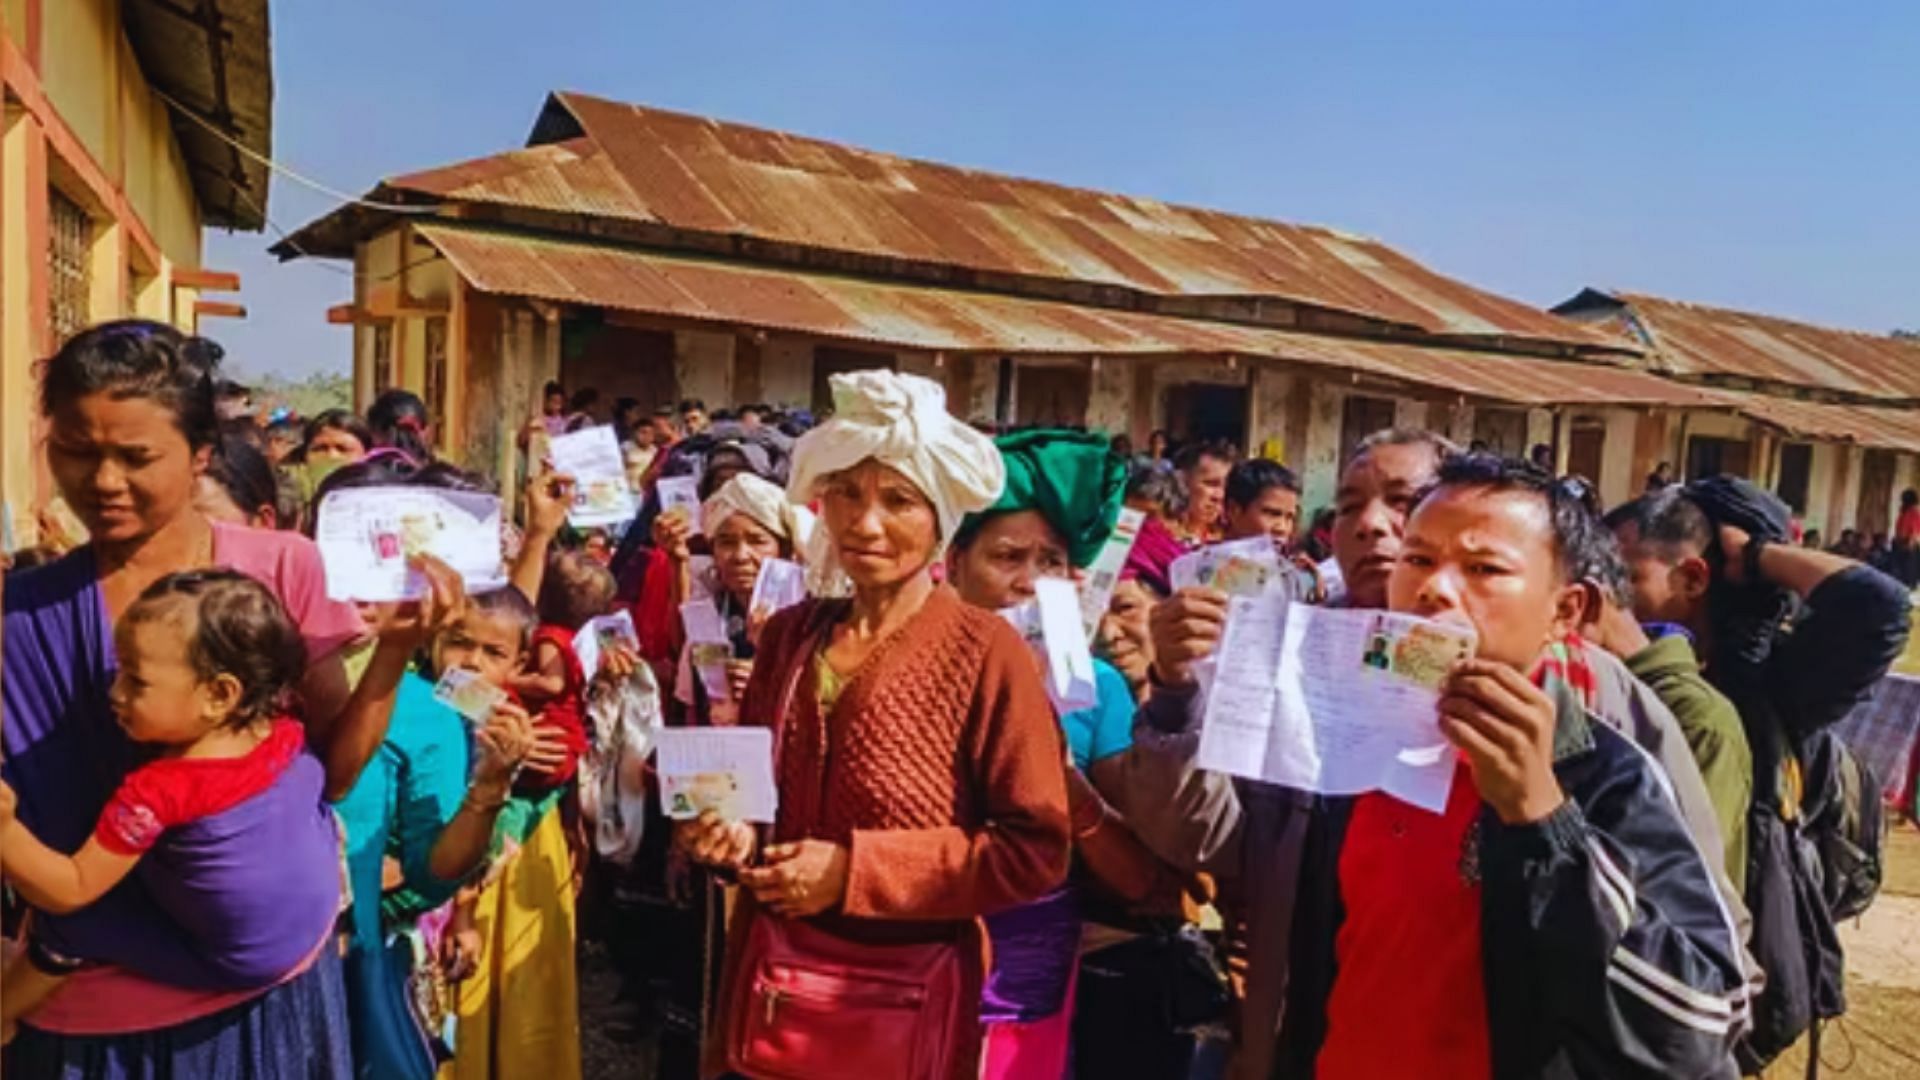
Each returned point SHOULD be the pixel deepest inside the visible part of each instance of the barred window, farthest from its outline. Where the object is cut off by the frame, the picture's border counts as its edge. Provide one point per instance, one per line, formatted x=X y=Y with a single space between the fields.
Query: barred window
x=436 y=371
x=382 y=356
x=70 y=260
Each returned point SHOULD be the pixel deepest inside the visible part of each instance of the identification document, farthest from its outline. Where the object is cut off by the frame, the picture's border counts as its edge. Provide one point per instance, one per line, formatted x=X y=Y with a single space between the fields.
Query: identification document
x=366 y=535
x=708 y=647
x=1050 y=624
x=1104 y=574
x=1332 y=701
x=1237 y=567
x=469 y=695
x=728 y=770
x=680 y=495
x=781 y=585
x=600 y=636
x=600 y=492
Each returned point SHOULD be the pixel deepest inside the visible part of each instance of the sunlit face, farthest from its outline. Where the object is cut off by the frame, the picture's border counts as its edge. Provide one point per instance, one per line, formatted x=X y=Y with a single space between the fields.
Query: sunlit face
x=122 y=465
x=1006 y=557
x=157 y=696
x=1207 y=489
x=595 y=547
x=883 y=528
x=335 y=445
x=1125 y=640
x=1376 y=493
x=214 y=503
x=740 y=545
x=1485 y=557
x=489 y=644
x=1669 y=583
x=694 y=420
x=1274 y=512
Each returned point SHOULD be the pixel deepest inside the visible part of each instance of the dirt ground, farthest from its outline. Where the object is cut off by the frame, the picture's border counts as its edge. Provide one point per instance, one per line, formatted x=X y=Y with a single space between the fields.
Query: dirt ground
x=1879 y=1039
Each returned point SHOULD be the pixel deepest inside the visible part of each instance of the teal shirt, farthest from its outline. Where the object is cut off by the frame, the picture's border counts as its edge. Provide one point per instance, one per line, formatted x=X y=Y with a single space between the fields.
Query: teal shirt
x=404 y=798
x=1105 y=729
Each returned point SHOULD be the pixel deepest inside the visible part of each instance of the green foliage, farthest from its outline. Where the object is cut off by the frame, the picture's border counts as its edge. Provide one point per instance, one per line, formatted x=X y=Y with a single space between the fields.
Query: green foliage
x=310 y=396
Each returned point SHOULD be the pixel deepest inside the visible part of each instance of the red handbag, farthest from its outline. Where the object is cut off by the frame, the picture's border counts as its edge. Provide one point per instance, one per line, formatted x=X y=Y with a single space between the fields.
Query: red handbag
x=813 y=1005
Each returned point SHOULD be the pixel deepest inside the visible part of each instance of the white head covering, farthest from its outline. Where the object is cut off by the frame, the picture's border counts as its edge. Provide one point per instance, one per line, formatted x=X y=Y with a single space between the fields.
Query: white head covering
x=764 y=502
x=902 y=422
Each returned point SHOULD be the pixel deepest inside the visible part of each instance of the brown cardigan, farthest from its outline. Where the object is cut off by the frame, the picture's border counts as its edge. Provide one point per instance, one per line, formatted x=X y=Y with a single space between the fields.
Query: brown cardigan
x=940 y=767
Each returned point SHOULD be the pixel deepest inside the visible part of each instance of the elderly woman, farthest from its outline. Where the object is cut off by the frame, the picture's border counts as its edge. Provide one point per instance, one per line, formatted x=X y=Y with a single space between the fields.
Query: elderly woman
x=1060 y=503
x=918 y=761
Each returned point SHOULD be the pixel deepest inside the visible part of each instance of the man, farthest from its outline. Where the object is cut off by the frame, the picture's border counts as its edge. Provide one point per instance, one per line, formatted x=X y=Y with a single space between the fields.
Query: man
x=693 y=416
x=1204 y=467
x=1661 y=478
x=752 y=416
x=1542 y=458
x=666 y=427
x=1712 y=558
x=1263 y=499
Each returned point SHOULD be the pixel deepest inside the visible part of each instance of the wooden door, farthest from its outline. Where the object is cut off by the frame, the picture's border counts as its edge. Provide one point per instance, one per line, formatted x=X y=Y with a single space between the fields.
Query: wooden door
x=1876 y=493
x=1051 y=397
x=1586 y=447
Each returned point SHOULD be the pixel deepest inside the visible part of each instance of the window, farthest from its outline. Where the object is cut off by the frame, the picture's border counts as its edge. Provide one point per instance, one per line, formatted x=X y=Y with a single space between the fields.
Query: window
x=1713 y=457
x=1050 y=396
x=1796 y=473
x=1361 y=416
x=70 y=263
x=436 y=371
x=1503 y=431
x=382 y=356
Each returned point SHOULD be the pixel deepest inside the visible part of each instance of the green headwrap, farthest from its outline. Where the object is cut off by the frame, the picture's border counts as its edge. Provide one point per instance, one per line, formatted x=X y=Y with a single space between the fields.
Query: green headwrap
x=1070 y=477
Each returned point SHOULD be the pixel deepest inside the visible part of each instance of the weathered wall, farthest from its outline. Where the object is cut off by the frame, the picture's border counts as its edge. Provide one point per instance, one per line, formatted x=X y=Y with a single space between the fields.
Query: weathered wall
x=703 y=365
x=1110 y=398
x=786 y=371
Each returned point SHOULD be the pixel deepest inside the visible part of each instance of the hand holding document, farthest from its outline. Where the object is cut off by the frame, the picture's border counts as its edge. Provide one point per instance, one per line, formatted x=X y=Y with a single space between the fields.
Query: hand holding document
x=600 y=492
x=367 y=535
x=1333 y=701
x=1050 y=623
x=602 y=635
x=708 y=647
x=469 y=695
x=726 y=770
x=680 y=495
x=781 y=585
x=1104 y=574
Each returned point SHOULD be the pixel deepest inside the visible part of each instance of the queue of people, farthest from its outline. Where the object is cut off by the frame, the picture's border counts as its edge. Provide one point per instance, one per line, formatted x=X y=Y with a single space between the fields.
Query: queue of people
x=245 y=836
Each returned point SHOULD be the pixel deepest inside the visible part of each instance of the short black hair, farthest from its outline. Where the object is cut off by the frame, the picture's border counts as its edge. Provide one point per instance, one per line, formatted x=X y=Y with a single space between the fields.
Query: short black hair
x=139 y=358
x=584 y=399
x=1252 y=478
x=245 y=474
x=574 y=590
x=552 y=388
x=1668 y=518
x=339 y=420
x=398 y=418
x=1190 y=454
x=239 y=629
x=508 y=602
x=1578 y=534
x=691 y=404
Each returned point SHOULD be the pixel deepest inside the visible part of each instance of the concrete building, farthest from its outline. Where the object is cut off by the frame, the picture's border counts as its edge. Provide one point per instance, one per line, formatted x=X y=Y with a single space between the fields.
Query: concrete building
x=658 y=255
x=125 y=132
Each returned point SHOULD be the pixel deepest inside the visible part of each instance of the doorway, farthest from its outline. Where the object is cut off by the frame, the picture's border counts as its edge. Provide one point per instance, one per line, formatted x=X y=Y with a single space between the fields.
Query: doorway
x=1586 y=449
x=1708 y=456
x=1051 y=397
x=1876 y=493
x=1204 y=412
x=1361 y=416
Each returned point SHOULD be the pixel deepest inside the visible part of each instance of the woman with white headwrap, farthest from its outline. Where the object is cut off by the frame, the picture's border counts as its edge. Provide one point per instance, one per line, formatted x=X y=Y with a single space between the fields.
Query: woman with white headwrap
x=919 y=765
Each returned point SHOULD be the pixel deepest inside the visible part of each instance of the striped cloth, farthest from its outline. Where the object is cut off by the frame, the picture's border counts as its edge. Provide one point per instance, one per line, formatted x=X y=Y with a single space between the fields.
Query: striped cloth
x=1884 y=733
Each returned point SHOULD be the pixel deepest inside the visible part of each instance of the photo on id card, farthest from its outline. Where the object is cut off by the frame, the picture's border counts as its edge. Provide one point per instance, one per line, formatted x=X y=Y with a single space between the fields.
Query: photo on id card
x=468 y=694
x=1419 y=652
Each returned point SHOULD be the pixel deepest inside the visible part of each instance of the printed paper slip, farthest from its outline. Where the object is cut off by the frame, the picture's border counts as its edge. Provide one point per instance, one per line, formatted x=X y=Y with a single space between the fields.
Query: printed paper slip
x=366 y=535
x=680 y=495
x=469 y=695
x=600 y=492
x=726 y=770
x=602 y=635
x=1237 y=568
x=1104 y=574
x=708 y=648
x=1050 y=625
x=781 y=585
x=1332 y=701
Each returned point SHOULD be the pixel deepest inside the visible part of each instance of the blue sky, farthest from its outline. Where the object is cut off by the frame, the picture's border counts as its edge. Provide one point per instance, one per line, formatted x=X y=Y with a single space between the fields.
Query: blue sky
x=1753 y=155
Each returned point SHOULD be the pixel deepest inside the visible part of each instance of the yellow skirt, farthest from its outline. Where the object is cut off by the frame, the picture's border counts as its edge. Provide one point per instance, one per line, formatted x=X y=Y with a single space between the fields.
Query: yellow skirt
x=519 y=1015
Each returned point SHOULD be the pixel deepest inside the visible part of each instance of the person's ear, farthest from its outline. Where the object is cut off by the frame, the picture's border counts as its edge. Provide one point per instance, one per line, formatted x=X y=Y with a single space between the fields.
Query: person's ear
x=1592 y=604
x=1692 y=577
x=221 y=696
x=202 y=457
x=1570 y=609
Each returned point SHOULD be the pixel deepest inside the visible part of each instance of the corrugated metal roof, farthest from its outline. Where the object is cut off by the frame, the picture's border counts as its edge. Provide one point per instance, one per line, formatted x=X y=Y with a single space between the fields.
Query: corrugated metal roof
x=690 y=173
x=918 y=318
x=1692 y=340
x=1862 y=425
x=214 y=58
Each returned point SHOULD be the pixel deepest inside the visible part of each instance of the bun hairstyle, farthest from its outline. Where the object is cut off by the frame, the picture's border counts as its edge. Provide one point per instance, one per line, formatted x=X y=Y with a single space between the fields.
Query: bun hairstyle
x=399 y=419
x=238 y=629
x=139 y=358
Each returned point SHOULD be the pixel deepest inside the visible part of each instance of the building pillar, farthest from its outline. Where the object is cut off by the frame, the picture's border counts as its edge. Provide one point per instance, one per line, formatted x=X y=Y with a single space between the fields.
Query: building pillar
x=23 y=321
x=1319 y=462
x=1110 y=398
x=1617 y=480
x=1272 y=395
x=1540 y=429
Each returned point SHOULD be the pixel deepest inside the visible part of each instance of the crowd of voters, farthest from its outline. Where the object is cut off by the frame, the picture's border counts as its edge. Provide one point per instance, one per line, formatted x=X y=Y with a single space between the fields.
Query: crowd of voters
x=243 y=837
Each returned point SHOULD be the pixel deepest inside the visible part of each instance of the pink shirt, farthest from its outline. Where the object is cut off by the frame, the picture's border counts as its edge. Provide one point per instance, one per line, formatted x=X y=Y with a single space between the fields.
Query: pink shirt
x=289 y=564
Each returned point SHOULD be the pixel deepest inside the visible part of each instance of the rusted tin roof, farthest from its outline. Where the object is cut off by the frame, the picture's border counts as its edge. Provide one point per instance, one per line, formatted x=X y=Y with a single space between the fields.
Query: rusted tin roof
x=1862 y=425
x=215 y=59
x=1716 y=344
x=936 y=320
x=742 y=184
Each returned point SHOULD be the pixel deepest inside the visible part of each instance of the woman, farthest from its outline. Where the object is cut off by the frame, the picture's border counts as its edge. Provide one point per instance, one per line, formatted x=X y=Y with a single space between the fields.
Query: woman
x=678 y=926
x=239 y=486
x=1125 y=639
x=336 y=437
x=131 y=423
x=1060 y=503
x=399 y=419
x=919 y=763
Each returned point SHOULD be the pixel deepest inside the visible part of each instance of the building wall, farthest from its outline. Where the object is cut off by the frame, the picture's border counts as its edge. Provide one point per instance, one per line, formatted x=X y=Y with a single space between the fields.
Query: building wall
x=79 y=117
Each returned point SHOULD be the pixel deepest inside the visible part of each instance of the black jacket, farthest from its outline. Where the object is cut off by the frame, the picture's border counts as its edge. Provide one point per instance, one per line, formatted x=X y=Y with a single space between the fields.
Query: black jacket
x=1605 y=947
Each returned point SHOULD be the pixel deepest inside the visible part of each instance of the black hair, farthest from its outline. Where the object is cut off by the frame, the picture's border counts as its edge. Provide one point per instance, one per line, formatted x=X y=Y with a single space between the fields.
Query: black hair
x=239 y=629
x=584 y=399
x=1156 y=483
x=688 y=405
x=1666 y=517
x=1442 y=447
x=244 y=429
x=1578 y=535
x=1250 y=479
x=1190 y=454
x=509 y=602
x=228 y=390
x=552 y=388
x=398 y=418
x=1910 y=497
x=722 y=415
x=574 y=590
x=338 y=420
x=246 y=476
x=665 y=412
x=139 y=358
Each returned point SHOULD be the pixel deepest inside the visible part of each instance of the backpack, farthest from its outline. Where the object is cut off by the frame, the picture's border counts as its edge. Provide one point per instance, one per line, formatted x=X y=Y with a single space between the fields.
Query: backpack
x=1846 y=822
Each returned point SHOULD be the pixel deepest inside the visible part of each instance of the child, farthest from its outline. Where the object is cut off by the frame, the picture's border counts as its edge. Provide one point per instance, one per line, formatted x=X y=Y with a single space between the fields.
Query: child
x=207 y=658
x=574 y=590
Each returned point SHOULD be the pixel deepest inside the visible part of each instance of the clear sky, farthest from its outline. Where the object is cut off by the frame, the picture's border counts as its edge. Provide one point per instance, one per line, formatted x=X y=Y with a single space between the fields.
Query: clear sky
x=1755 y=155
